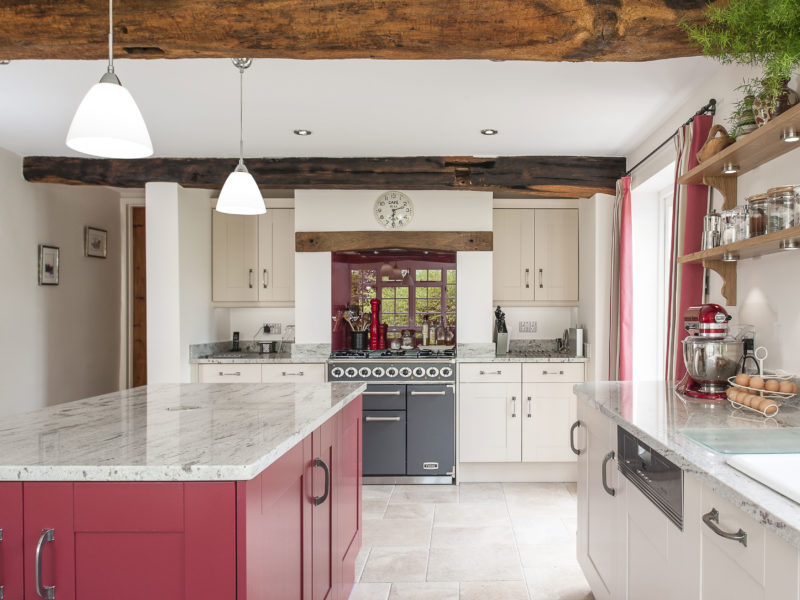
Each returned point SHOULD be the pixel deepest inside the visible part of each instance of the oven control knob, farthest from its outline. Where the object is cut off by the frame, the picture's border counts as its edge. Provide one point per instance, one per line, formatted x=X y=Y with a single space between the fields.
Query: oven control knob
x=392 y=372
x=350 y=371
x=446 y=372
x=378 y=372
x=337 y=372
x=364 y=371
x=432 y=372
x=419 y=372
x=405 y=372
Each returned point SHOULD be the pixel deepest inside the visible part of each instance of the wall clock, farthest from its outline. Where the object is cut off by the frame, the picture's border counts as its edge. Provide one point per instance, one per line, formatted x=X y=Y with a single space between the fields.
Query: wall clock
x=393 y=210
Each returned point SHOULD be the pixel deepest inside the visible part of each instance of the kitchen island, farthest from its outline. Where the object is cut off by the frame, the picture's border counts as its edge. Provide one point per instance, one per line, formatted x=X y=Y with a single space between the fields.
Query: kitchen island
x=231 y=491
x=737 y=538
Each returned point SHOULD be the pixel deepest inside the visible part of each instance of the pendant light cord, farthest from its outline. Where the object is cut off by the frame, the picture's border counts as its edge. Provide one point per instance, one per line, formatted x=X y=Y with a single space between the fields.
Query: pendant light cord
x=241 y=117
x=110 y=36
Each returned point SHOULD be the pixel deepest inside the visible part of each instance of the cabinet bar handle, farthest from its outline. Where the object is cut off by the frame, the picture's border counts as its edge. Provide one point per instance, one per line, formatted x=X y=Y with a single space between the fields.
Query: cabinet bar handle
x=265 y=278
x=572 y=429
x=234 y=374
x=287 y=374
x=711 y=519
x=439 y=393
x=44 y=591
x=546 y=372
x=318 y=462
x=609 y=490
x=529 y=407
x=1 y=587
x=250 y=278
x=394 y=393
x=540 y=278
x=513 y=406
x=498 y=372
x=527 y=278
x=371 y=419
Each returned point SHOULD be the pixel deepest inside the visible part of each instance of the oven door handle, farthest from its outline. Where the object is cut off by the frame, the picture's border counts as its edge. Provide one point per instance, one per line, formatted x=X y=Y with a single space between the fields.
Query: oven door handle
x=394 y=393
x=439 y=393
x=379 y=419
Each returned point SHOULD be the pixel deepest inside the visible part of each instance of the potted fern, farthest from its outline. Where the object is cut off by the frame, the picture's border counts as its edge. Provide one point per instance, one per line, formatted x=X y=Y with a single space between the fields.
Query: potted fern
x=755 y=32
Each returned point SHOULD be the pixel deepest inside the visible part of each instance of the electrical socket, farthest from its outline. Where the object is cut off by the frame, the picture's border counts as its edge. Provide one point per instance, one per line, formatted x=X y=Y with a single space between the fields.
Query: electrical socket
x=527 y=326
x=272 y=328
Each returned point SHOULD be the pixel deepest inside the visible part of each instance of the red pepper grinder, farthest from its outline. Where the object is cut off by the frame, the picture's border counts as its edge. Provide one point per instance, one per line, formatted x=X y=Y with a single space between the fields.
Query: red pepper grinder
x=374 y=327
x=382 y=336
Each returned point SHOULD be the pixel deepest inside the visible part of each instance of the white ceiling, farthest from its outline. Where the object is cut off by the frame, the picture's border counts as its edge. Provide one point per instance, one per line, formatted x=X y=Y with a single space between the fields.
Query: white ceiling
x=360 y=107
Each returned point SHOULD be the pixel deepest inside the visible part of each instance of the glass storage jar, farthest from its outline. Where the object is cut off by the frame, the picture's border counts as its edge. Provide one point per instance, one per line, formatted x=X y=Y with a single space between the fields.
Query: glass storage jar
x=728 y=220
x=742 y=222
x=757 y=206
x=781 y=208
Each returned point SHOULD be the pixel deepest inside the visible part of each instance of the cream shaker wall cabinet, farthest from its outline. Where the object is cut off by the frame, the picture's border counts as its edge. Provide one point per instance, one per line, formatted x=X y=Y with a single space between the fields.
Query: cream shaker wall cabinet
x=535 y=257
x=253 y=258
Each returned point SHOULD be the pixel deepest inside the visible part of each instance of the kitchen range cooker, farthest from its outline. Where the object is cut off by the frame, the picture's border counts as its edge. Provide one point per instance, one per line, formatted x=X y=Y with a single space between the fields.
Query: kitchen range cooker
x=409 y=412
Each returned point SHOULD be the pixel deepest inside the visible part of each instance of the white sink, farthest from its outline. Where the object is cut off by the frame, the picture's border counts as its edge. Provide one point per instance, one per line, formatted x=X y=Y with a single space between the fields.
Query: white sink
x=777 y=471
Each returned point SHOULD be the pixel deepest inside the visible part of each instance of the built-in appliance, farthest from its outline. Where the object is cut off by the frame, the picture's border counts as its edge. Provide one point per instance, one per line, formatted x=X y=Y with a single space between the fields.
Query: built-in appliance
x=409 y=413
x=710 y=356
x=660 y=480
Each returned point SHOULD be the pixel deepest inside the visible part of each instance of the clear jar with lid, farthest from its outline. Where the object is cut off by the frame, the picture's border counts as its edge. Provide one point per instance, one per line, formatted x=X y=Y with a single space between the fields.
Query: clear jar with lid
x=781 y=208
x=757 y=206
x=742 y=222
x=728 y=226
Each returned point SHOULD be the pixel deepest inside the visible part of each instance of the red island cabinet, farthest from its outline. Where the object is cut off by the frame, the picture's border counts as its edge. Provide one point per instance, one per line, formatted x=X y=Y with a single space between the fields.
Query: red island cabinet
x=292 y=532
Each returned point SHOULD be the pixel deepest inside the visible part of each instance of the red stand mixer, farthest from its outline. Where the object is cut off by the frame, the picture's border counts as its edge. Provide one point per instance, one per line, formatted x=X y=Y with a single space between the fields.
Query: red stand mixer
x=709 y=354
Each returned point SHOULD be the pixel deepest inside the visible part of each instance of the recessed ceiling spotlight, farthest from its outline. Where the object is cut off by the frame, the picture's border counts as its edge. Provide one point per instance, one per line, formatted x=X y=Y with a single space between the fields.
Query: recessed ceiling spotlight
x=489 y=131
x=730 y=257
x=730 y=169
x=302 y=132
x=790 y=135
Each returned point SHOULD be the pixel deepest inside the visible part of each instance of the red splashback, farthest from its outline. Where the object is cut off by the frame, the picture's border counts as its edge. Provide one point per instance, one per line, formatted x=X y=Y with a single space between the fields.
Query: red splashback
x=343 y=263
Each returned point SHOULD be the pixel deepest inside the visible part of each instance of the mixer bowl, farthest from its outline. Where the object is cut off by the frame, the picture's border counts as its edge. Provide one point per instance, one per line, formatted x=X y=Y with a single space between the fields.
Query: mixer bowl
x=710 y=362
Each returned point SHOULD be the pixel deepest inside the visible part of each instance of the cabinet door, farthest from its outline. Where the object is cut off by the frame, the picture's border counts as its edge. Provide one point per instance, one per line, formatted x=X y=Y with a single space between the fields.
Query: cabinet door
x=548 y=410
x=323 y=519
x=11 y=552
x=556 y=254
x=234 y=258
x=431 y=425
x=489 y=422
x=512 y=255
x=346 y=496
x=276 y=255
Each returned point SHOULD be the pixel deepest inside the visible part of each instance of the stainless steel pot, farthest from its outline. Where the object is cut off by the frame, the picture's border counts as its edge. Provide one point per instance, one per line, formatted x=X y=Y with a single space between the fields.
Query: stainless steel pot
x=710 y=362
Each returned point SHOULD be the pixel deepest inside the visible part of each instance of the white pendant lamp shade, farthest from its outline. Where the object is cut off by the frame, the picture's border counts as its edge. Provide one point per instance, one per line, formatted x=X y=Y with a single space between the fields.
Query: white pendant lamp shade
x=240 y=194
x=109 y=124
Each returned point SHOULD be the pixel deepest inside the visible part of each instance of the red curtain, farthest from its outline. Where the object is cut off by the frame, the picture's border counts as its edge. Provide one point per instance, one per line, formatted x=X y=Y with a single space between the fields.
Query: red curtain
x=621 y=327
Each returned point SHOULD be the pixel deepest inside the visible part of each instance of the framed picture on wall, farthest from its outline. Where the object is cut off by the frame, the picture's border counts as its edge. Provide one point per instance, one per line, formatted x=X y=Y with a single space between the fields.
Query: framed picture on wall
x=95 y=242
x=48 y=265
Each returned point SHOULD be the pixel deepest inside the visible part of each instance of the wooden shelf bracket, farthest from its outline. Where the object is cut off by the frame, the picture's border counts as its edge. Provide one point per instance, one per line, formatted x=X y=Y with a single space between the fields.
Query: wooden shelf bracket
x=726 y=270
x=725 y=185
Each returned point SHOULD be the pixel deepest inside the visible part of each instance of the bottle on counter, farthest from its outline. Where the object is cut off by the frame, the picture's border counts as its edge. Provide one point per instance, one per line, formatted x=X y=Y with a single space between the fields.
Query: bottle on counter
x=432 y=335
x=425 y=328
x=440 y=333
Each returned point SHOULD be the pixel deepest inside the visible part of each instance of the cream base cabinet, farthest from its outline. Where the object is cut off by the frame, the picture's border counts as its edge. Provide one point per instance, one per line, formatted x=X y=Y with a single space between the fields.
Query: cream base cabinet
x=535 y=256
x=489 y=422
x=548 y=411
x=253 y=257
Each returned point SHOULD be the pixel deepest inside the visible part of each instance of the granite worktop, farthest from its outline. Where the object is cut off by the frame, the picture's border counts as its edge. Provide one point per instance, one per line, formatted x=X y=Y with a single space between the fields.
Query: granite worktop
x=655 y=413
x=540 y=352
x=168 y=432
x=220 y=353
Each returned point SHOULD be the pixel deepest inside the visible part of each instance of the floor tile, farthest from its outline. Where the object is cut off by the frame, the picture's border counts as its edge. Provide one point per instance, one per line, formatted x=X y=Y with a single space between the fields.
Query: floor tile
x=361 y=560
x=544 y=530
x=371 y=492
x=572 y=488
x=389 y=532
x=424 y=591
x=550 y=555
x=445 y=537
x=557 y=582
x=371 y=591
x=409 y=511
x=571 y=523
x=395 y=564
x=541 y=494
x=475 y=563
x=404 y=494
x=494 y=590
x=374 y=508
x=488 y=493
x=471 y=515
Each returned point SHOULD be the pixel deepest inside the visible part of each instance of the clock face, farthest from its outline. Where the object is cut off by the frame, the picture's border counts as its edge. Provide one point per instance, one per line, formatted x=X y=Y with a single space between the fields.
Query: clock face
x=393 y=210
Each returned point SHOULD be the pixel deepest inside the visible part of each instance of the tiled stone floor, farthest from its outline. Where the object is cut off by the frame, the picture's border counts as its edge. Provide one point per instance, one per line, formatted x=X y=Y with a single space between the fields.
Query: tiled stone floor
x=481 y=541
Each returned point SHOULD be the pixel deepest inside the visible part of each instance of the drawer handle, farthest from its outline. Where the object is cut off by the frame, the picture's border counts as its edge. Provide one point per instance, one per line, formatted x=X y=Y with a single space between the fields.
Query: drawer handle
x=394 y=393
x=711 y=519
x=498 y=372
x=44 y=591
x=513 y=406
x=234 y=374
x=287 y=374
x=546 y=372
x=527 y=278
x=572 y=429
x=250 y=278
x=529 y=407
x=609 y=490
x=372 y=419
x=318 y=462
x=439 y=393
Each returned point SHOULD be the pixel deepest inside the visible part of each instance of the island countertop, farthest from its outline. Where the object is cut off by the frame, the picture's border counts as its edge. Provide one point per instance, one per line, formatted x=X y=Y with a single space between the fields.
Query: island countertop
x=655 y=413
x=168 y=432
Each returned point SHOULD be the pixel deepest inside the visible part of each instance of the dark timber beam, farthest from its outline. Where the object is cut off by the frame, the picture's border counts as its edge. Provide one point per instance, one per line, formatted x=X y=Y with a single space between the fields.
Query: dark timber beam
x=533 y=176
x=552 y=30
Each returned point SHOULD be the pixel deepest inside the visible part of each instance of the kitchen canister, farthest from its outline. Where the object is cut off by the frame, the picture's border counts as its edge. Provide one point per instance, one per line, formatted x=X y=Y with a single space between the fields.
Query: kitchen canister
x=758 y=214
x=781 y=208
x=710 y=231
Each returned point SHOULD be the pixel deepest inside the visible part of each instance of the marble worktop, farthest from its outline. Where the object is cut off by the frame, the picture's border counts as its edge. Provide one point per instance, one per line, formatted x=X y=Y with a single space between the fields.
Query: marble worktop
x=655 y=413
x=168 y=432
x=220 y=353
x=540 y=352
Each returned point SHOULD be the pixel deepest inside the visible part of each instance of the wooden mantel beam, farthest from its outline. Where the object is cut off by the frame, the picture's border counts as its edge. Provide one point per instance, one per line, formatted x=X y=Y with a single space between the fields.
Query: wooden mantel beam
x=551 y=30
x=533 y=176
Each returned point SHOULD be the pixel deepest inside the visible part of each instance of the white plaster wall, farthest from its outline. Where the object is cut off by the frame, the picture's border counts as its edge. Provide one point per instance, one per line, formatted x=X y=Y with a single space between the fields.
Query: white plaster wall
x=312 y=296
x=59 y=343
x=550 y=321
x=474 y=310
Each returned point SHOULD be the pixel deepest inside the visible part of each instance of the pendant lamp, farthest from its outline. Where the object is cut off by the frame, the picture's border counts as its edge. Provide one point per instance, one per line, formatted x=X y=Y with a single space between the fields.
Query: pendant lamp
x=240 y=194
x=108 y=123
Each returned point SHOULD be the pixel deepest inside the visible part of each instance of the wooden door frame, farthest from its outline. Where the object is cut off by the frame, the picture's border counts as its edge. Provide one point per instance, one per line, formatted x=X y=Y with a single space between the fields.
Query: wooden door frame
x=128 y=199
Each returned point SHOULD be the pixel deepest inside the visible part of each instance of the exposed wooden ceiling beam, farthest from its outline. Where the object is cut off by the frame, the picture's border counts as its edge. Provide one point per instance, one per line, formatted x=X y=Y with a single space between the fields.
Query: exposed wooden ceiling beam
x=552 y=30
x=534 y=176
x=348 y=241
